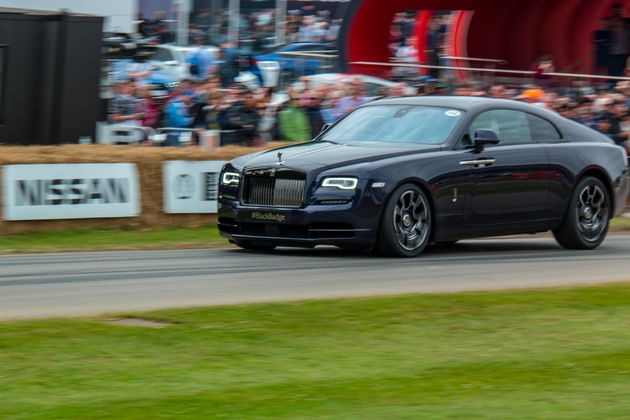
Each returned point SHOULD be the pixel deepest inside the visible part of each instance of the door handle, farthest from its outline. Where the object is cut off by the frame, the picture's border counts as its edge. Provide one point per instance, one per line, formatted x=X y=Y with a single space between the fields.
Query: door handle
x=478 y=163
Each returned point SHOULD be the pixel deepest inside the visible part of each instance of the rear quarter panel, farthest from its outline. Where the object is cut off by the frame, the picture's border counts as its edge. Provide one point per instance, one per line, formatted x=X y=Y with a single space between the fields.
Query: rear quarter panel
x=572 y=160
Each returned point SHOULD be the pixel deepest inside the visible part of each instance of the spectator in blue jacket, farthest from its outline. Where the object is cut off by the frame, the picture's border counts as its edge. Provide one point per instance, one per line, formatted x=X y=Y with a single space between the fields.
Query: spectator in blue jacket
x=178 y=110
x=178 y=116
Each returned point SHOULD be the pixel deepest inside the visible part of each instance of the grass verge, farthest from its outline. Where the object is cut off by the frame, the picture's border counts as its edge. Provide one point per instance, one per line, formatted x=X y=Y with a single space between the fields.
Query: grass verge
x=620 y=224
x=537 y=354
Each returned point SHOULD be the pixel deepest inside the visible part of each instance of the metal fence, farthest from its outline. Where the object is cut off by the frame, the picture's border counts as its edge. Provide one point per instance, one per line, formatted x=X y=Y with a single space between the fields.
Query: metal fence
x=121 y=134
x=525 y=76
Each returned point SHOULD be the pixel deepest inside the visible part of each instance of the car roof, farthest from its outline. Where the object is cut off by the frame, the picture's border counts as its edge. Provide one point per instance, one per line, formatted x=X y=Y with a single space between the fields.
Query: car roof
x=570 y=129
x=462 y=102
x=339 y=77
x=466 y=103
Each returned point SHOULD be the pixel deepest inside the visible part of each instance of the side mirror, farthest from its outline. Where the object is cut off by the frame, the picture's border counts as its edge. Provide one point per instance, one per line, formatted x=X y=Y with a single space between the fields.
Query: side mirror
x=484 y=137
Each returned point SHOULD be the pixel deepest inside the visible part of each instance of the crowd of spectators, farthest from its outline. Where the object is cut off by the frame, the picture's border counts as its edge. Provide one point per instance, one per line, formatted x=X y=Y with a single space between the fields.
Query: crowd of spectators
x=255 y=117
x=211 y=101
x=256 y=28
x=245 y=117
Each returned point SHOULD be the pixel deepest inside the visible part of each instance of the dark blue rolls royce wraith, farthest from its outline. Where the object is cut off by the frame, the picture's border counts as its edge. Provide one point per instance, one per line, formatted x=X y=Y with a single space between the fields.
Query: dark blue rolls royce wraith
x=398 y=174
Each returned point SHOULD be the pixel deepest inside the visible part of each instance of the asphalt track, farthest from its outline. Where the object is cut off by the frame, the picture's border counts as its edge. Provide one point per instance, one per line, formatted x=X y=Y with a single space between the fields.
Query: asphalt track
x=69 y=284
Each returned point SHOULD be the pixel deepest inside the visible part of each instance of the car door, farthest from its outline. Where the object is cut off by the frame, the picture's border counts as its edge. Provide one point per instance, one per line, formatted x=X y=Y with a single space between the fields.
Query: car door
x=510 y=179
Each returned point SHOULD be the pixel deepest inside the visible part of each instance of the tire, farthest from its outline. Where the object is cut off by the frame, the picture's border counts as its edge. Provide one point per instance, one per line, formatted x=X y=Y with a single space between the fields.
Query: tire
x=586 y=223
x=255 y=246
x=406 y=223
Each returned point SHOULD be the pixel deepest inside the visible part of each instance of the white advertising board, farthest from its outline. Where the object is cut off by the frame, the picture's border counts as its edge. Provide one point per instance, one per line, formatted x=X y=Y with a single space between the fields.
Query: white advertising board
x=191 y=186
x=70 y=191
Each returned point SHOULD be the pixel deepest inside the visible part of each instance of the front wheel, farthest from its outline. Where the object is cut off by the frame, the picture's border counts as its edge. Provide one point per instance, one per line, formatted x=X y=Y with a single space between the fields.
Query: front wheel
x=406 y=223
x=586 y=222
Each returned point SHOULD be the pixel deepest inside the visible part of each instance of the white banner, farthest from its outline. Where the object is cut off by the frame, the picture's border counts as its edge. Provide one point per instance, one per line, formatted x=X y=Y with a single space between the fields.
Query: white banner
x=70 y=191
x=191 y=186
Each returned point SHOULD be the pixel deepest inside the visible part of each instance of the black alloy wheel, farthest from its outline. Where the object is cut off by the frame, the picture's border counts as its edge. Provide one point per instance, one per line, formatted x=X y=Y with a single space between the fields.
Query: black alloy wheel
x=406 y=223
x=586 y=223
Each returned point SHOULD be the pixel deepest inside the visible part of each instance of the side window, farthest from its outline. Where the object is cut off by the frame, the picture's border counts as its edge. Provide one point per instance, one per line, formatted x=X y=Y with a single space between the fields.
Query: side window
x=512 y=127
x=542 y=130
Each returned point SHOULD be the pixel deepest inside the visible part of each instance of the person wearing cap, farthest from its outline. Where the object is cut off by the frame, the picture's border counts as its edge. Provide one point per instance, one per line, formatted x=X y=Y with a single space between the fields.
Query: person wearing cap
x=532 y=96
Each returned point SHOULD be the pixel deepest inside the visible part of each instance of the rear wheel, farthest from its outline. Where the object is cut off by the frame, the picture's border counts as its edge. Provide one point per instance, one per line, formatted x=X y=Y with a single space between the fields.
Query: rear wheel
x=406 y=223
x=586 y=222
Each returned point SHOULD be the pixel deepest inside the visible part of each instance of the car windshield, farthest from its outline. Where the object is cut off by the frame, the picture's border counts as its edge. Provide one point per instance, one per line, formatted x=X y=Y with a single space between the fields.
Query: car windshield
x=396 y=124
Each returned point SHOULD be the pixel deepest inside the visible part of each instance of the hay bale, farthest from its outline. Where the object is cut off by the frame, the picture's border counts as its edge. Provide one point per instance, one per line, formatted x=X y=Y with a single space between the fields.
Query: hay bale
x=149 y=161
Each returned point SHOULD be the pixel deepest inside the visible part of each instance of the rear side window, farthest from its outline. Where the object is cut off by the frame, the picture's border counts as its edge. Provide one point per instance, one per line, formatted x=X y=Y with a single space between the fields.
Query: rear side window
x=542 y=130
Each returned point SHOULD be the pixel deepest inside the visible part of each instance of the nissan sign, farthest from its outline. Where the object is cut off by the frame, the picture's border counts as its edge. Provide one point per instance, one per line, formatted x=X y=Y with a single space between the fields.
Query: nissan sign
x=70 y=191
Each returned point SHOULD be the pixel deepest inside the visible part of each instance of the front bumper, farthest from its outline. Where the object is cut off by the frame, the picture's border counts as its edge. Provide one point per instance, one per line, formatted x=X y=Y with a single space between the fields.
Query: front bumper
x=308 y=226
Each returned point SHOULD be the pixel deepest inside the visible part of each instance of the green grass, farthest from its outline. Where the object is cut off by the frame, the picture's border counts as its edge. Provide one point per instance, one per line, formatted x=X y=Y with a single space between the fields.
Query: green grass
x=533 y=354
x=104 y=239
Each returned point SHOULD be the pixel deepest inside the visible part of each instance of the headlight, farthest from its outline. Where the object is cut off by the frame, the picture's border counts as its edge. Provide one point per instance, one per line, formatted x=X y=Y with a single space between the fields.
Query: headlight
x=230 y=178
x=340 y=183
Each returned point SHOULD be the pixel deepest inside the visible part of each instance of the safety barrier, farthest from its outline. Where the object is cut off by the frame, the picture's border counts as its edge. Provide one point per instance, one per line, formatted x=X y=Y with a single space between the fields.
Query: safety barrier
x=528 y=73
x=120 y=134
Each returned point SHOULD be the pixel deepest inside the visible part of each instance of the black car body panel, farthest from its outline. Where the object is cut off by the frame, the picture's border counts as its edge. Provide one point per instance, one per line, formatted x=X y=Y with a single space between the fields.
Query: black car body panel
x=525 y=189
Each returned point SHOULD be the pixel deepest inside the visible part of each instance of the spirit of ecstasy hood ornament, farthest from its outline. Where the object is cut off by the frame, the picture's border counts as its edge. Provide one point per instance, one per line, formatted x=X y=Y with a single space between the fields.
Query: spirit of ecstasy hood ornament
x=280 y=158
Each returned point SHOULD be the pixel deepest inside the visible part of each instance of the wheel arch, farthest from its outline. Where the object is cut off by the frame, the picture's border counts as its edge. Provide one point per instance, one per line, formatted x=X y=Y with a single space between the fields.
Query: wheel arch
x=599 y=173
x=425 y=189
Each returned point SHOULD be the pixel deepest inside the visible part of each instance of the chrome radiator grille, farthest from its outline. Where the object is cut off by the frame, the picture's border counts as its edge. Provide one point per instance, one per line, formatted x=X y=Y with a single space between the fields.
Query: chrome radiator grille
x=270 y=187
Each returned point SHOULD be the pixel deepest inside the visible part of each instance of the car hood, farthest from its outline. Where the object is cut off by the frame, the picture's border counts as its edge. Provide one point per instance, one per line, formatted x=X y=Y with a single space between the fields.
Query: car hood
x=325 y=154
